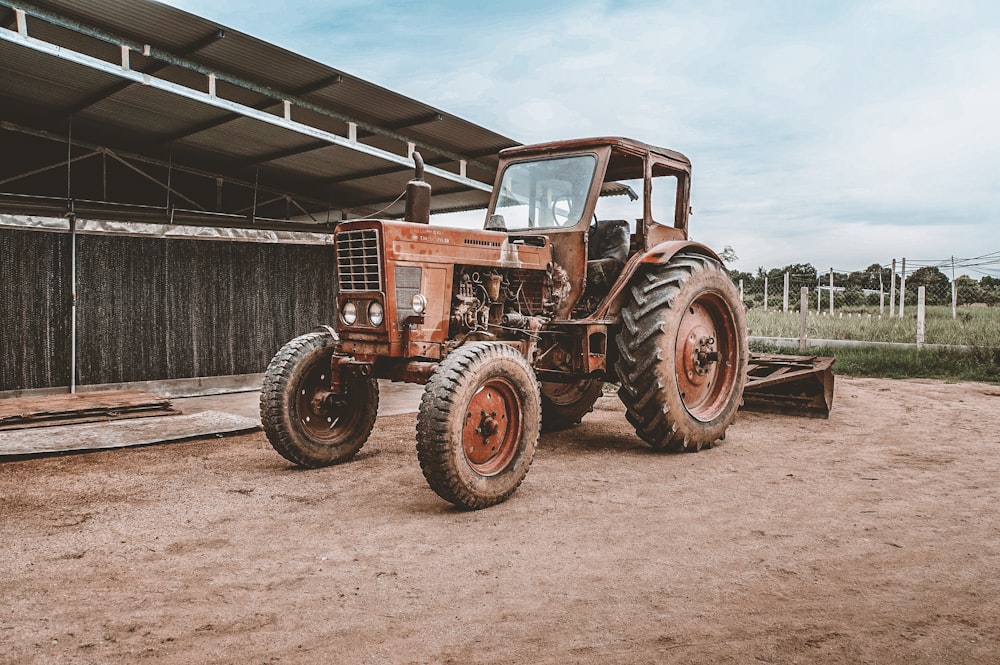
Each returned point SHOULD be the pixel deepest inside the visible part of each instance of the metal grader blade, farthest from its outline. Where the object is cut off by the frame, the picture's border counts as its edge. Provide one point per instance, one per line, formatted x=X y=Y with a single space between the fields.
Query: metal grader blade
x=792 y=385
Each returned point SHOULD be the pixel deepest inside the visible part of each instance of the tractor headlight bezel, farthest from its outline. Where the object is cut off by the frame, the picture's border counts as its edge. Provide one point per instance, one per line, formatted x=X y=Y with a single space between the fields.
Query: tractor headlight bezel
x=419 y=303
x=376 y=313
x=349 y=313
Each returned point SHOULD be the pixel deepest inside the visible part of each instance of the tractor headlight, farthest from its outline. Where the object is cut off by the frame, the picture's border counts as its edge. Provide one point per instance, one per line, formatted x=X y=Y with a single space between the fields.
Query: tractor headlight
x=375 y=313
x=419 y=303
x=349 y=313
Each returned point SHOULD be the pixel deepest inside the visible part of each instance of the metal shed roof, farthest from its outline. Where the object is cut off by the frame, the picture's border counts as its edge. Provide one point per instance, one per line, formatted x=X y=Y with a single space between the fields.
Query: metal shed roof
x=160 y=111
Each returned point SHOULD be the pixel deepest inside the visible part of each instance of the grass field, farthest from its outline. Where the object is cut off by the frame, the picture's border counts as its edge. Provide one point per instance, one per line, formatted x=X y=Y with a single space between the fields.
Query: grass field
x=977 y=327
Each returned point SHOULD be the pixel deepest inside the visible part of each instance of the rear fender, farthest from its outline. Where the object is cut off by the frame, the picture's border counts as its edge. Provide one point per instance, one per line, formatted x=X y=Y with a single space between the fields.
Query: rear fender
x=660 y=254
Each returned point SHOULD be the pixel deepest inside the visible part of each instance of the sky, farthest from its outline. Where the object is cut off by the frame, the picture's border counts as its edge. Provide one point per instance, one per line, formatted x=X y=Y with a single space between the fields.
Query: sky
x=839 y=134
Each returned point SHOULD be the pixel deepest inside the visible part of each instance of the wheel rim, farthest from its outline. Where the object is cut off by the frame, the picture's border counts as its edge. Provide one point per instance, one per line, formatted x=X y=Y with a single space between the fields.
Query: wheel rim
x=492 y=427
x=706 y=356
x=320 y=415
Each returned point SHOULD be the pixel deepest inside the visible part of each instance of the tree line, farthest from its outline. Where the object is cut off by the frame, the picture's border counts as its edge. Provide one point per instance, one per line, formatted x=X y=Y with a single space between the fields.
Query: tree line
x=862 y=287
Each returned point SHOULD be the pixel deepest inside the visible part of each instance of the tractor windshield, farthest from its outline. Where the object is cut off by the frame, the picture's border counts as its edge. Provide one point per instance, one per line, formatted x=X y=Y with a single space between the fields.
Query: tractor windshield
x=544 y=194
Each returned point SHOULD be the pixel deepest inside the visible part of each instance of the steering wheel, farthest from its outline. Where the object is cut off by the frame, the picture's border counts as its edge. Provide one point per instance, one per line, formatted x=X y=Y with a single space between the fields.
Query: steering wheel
x=562 y=210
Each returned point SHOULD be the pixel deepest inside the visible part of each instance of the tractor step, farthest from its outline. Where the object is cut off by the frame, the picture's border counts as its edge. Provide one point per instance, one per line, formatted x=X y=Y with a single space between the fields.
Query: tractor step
x=792 y=385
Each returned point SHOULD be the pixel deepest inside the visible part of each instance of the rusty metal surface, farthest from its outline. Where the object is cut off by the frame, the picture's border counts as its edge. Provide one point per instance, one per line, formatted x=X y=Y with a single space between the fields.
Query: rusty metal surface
x=791 y=385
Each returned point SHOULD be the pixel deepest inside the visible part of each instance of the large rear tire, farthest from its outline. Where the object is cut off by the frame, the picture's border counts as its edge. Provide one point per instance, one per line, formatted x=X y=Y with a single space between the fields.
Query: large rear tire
x=683 y=353
x=565 y=404
x=478 y=424
x=304 y=423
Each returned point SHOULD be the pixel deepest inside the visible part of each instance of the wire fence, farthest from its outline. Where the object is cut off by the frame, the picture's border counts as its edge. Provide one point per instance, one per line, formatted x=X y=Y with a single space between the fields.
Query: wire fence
x=951 y=302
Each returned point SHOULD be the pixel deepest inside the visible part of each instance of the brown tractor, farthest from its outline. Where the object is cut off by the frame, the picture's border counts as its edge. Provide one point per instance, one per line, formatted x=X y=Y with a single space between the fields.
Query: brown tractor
x=516 y=328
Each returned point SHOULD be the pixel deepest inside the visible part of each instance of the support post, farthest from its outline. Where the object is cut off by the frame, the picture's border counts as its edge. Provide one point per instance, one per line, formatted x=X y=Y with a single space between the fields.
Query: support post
x=881 y=293
x=921 y=314
x=741 y=290
x=803 y=317
x=892 y=291
x=784 y=296
x=72 y=302
x=765 y=293
x=831 y=291
x=954 y=292
x=902 y=288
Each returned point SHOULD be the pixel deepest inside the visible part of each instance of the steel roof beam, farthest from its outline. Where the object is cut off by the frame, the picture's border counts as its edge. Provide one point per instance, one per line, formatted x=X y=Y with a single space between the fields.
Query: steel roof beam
x=50 y=167
x=415 y=122
x=319 y=85
x=374 y=173
x=151 y=68
x=234 y=107
x=276 y=95
x=260 y=106
x=145 y=159
x=282 y=154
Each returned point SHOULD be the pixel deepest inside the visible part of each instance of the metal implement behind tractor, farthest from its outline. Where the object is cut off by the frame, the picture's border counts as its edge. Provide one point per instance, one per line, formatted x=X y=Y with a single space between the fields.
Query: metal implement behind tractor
x=791 y=385
x=517 y=327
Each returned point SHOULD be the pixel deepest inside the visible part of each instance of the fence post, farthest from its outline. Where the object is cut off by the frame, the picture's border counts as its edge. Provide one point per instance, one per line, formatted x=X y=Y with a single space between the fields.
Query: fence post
x=741 y=291
x=784 y=296
x=803 y=317
x=892 y=291
x=902 y=288
x=765 y=293
x=954 y=292
x=921 y=314
x=831 y=291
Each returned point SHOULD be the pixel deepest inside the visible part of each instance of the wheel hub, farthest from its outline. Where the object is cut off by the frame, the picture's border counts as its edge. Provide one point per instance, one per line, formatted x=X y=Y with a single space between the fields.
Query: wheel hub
x=324 y=402
x=704 y=355
x=492 y=427
x=704 y=367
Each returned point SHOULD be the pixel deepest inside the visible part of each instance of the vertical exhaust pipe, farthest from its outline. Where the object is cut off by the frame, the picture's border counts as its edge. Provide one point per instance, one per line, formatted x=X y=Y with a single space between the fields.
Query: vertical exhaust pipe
x=418 y=194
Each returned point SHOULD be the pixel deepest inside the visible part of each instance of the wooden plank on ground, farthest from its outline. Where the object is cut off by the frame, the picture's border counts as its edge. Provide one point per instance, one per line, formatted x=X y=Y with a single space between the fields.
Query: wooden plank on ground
x=121 y=433
x=49 y=410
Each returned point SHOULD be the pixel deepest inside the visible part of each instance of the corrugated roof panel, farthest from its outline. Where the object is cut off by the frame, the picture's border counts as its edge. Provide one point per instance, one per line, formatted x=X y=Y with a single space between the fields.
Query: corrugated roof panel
x=35 y=87
x=44 y=81
x=137 y=108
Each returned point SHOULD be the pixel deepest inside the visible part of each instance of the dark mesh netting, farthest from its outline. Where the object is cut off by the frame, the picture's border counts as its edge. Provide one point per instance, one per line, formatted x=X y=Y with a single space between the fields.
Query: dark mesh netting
x=34 y=309
x=153 y=308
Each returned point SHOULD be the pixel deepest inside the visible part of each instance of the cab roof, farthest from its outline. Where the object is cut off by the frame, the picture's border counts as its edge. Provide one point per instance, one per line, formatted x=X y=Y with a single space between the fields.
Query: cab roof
x=619 y=143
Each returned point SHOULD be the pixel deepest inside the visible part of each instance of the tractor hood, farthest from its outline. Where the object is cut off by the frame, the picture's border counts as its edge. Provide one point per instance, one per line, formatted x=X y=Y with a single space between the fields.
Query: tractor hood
x=420 y=243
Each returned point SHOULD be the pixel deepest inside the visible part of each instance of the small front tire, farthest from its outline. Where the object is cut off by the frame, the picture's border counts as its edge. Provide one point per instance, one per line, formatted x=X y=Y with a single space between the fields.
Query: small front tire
x=303 y=422
x=478 y=425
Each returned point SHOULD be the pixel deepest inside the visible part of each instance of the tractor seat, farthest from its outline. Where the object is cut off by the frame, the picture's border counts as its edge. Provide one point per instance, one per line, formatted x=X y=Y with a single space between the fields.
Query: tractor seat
x=607 y=251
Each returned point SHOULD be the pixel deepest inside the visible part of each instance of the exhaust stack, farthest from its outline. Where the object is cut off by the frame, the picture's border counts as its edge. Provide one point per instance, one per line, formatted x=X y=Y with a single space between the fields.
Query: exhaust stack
x=418 y=195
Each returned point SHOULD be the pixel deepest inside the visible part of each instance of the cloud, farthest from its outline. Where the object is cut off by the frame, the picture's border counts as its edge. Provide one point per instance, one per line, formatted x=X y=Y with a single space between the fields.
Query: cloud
x=833 y=133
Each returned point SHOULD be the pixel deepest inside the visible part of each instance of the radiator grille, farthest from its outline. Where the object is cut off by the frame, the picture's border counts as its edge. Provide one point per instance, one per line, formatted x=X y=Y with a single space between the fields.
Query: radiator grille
x=358 y=261
x=407 y=286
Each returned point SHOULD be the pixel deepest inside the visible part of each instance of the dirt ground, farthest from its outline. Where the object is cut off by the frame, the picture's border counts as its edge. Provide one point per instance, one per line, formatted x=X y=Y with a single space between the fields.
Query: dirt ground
x=869 y=538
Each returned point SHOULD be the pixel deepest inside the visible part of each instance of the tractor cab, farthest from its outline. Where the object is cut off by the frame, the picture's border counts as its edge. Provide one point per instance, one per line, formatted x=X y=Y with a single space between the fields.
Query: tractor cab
x=598 y=201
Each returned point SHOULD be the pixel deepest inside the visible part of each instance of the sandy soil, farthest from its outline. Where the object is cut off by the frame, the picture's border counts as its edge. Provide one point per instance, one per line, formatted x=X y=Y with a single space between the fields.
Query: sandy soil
x=869 y=538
